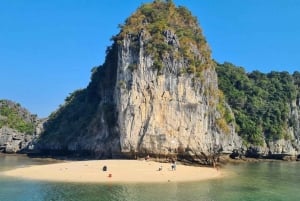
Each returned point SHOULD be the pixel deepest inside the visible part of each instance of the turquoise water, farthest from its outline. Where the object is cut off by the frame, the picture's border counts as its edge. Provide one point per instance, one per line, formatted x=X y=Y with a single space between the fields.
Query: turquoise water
x=274 y=181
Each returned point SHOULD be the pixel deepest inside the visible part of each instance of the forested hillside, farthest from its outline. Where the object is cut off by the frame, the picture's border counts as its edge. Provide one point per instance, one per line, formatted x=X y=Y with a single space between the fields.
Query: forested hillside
x=262 y=103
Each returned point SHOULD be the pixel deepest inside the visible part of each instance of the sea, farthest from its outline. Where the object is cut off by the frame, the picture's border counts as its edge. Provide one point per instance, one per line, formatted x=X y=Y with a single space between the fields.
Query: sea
x=252 y=181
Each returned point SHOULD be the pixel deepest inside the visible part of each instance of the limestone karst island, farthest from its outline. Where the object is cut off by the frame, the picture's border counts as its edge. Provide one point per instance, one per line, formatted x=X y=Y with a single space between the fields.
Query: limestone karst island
x=159 y=94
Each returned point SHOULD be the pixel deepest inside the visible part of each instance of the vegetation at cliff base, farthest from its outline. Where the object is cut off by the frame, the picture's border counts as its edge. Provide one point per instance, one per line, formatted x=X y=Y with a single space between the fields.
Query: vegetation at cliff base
x=261 y=102
x=15 y=117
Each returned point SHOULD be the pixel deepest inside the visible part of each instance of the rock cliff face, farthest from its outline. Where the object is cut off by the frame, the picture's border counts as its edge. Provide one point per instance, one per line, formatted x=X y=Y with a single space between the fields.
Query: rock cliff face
x=167 y=113
x=12 y=141
x=18 y=128
x=143 y=100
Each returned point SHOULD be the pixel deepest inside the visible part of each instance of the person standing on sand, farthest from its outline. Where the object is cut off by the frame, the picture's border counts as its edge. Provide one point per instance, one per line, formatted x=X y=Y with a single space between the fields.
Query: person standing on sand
x=173 y=165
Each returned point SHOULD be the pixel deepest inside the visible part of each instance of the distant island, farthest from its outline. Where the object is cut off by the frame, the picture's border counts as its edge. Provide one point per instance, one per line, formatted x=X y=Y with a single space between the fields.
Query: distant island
x=159 y=93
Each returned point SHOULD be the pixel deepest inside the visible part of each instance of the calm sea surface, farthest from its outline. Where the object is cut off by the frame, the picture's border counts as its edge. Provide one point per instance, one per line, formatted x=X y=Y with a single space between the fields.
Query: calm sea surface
x=278 y=181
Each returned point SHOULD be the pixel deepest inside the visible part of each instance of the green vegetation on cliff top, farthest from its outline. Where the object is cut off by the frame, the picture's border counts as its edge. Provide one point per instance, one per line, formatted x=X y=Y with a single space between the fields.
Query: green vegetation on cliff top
x=154 y=20
x=15 y=117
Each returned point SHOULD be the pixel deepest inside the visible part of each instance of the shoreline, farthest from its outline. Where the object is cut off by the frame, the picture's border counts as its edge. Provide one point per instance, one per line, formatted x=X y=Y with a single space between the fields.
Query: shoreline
x=118 y=171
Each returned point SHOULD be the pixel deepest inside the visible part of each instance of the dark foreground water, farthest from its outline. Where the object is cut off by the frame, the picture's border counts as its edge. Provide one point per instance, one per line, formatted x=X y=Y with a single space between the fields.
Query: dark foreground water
x=274 y=181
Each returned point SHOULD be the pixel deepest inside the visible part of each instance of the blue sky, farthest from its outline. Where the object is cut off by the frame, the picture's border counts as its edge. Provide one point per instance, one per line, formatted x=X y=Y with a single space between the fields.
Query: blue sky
x=47 y=48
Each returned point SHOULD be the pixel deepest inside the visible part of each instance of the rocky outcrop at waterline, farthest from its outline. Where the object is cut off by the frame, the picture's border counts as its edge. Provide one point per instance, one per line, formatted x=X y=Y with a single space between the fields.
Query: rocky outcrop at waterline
x=12 y=141
x=18 y=127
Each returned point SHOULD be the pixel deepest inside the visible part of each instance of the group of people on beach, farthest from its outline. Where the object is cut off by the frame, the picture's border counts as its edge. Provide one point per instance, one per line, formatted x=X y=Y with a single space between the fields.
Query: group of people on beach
x=173 y=166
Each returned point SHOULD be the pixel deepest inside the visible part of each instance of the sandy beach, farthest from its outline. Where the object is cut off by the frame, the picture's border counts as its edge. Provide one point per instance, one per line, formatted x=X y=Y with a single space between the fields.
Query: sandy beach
x=119 y=171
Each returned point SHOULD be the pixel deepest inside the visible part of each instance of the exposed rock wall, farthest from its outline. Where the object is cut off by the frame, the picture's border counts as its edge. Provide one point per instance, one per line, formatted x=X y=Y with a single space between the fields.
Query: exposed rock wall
x=143 y=111
x=12 y=141
x=167 y=113
x=156 y=93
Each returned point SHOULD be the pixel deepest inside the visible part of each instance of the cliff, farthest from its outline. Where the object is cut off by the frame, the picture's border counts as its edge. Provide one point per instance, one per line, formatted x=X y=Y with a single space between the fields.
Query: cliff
x=18 y=127
x=157 y=93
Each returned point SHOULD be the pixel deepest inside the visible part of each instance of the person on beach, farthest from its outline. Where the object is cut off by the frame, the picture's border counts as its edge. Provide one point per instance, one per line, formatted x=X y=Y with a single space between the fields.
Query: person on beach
x=173 y=165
